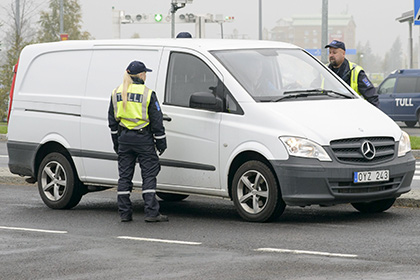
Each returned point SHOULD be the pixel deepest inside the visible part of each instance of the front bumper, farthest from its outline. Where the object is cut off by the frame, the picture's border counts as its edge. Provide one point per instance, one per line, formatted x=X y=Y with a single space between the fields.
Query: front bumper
x=309 y=181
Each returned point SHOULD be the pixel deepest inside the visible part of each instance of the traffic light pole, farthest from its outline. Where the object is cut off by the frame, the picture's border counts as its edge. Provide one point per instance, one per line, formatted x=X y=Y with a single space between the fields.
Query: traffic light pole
x=175 y=6
x=324 y=36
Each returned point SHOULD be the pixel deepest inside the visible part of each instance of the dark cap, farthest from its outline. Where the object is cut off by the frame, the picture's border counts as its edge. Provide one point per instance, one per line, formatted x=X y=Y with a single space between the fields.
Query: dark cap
x=136 y=67
x=184 y=35
x=336 y=45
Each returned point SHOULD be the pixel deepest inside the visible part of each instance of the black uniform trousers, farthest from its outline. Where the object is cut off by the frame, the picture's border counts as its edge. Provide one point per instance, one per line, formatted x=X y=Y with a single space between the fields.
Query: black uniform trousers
x=146 y=155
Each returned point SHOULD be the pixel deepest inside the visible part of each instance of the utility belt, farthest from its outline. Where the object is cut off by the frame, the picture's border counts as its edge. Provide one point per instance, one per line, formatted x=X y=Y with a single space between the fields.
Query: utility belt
x=143 y=130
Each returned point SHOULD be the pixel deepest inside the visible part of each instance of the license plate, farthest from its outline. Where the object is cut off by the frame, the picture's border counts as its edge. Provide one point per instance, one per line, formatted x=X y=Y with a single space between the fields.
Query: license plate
x=371 y=176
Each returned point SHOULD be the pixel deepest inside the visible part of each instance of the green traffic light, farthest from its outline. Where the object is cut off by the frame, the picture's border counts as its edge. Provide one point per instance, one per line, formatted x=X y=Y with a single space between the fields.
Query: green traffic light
x=158 y=17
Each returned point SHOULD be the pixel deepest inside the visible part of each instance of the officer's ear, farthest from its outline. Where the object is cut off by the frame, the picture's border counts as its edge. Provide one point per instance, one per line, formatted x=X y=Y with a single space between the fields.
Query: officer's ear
x=142 y=76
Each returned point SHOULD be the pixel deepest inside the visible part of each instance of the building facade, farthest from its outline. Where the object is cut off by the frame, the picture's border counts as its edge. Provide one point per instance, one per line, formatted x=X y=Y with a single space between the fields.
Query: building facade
x=306 y=31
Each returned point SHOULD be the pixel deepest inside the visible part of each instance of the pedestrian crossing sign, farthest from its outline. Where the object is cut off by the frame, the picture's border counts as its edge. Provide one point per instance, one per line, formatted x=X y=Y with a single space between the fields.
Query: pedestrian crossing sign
x=416 y=12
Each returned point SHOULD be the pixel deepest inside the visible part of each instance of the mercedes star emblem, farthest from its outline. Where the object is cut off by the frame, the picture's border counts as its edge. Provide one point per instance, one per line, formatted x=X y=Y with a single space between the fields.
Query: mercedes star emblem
x=368 y=150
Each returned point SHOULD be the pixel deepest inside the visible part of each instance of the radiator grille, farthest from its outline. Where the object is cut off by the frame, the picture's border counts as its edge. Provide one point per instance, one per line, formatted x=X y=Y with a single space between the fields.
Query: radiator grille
x=350 y=150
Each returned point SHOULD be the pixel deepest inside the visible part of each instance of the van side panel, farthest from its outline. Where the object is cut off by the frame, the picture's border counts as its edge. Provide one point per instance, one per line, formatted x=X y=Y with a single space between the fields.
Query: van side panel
x=47 y=101
x=106 y=71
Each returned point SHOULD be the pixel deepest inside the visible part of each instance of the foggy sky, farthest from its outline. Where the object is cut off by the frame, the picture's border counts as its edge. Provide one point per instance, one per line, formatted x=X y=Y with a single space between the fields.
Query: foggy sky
x=375 y=19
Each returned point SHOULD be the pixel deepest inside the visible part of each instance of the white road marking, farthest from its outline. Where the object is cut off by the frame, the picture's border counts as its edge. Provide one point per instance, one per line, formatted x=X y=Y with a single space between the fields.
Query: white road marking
x=325 y=254
x=34 y=230
x=159 y=240
x=416 y=177
x=3 y=156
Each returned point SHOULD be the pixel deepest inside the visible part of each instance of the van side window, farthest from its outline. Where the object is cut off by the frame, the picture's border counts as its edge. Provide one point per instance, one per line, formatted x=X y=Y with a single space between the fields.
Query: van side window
x=188 y=74
x=407 y=85
x=387 y=86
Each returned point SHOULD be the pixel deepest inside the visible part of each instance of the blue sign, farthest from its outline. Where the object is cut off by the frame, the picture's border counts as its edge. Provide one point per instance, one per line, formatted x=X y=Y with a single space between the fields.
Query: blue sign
x=317 y=52
x=416 y=12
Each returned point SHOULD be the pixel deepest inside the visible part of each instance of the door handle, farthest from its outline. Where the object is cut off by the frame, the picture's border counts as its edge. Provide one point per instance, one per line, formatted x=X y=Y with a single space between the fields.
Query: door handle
x=167 y=118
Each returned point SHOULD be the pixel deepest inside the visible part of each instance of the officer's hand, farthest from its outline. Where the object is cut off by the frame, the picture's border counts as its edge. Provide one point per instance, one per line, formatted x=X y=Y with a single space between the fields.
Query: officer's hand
x=115 y=142
x=161 y=145
x=161 y=151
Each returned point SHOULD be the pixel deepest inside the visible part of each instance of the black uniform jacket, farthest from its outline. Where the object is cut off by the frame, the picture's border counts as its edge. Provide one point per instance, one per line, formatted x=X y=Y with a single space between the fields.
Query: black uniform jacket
x=366 y=88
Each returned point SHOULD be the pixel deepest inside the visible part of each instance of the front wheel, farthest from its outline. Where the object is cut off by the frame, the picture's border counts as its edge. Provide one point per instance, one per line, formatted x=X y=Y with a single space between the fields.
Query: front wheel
x=256 y=194
x=374 y=206
x=58 y=184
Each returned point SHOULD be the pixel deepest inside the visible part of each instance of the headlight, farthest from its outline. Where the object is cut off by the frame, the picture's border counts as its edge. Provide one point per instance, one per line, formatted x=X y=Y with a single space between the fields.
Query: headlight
x=300 y=147
x=404 y=146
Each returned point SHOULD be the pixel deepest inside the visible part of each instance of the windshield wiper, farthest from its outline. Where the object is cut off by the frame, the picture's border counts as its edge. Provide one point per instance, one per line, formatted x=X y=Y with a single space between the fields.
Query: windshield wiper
x=309 y=92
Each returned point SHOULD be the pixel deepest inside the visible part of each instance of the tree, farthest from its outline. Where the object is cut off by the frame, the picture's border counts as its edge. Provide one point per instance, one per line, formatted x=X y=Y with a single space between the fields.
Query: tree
x=393 y=58
x=18 y=35
x=370 y=62
x=50 y=22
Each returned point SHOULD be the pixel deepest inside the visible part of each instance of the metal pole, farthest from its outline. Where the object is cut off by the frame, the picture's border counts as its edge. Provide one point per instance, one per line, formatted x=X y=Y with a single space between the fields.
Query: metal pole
x=410 y=44
x=173 y=10
x=324 y=39
x=61 y=17
x=17 y=18
x=260 y=20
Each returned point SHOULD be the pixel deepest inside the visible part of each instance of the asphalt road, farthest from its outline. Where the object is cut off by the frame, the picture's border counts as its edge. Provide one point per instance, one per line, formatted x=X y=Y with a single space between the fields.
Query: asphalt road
x=204 y=239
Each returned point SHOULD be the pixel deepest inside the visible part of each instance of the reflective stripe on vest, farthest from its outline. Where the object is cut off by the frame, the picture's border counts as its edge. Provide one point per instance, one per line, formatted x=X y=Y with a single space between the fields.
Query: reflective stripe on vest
x=136 y=114
x=355 y=70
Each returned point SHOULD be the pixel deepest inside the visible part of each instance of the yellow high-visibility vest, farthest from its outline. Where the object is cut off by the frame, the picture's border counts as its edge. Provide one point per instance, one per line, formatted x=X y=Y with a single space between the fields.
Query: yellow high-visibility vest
x=136 y=114
x=355 y=70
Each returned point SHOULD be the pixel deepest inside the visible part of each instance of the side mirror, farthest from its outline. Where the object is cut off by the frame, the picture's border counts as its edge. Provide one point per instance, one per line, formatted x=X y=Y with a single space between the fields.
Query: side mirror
x=206 y=100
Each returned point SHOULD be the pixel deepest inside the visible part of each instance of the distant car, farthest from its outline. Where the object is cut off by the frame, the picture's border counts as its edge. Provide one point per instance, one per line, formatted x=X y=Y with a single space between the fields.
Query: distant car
x=399 y=96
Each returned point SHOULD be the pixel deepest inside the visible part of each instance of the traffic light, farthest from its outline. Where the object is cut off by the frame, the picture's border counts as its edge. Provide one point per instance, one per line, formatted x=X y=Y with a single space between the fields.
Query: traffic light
x=187 y=17
x=229 y=18
x=158 y=17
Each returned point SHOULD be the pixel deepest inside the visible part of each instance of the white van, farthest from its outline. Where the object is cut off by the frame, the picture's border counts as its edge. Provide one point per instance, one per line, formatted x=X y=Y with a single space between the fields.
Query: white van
x=264 y=124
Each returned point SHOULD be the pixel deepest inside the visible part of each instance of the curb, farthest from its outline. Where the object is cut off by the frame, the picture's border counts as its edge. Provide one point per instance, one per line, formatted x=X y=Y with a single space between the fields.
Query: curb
x=416 y=153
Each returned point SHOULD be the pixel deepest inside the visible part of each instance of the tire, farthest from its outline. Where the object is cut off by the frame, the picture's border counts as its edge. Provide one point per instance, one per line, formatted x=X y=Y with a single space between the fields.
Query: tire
x=58 y=184
x=374 y=206
x=171 y=196
x=256 y=194
x=410 y=123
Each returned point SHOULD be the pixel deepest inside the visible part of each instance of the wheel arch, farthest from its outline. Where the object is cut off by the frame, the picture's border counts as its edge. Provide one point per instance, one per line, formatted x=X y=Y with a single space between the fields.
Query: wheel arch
x=243 y=157
x=50 y=147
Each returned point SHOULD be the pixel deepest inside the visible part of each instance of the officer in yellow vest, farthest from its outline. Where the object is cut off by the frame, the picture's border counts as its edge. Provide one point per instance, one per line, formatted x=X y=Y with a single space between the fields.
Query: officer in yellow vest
x=137 y=131
x=352 y=74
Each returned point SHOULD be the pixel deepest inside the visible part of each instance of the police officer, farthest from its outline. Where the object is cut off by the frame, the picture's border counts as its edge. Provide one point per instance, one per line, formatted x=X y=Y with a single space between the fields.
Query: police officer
x=136 y=124
x=352 y=74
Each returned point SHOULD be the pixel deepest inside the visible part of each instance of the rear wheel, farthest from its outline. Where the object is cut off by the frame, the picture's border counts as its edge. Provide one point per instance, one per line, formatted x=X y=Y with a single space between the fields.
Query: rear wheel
x=410 y=123
x=58 y=184
x=256 y=194
x=171 y=196
x=374 y=206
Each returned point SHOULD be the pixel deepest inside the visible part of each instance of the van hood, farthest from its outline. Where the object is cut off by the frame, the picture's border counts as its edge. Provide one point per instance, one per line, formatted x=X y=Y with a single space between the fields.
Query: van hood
x=325 y=120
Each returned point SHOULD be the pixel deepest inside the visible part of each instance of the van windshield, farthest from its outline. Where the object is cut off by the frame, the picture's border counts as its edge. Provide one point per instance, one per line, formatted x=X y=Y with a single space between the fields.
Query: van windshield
x=269 y=75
